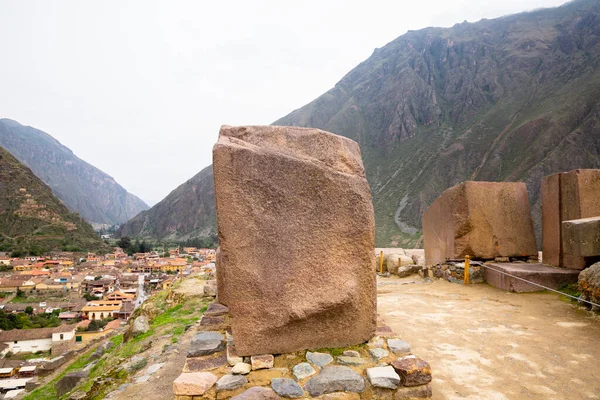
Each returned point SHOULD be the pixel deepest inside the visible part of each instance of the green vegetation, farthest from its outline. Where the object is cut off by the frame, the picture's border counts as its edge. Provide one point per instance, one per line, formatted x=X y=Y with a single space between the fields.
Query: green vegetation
x=26 y=320
x=571 y=289
x=48 y=391
x=33 y=220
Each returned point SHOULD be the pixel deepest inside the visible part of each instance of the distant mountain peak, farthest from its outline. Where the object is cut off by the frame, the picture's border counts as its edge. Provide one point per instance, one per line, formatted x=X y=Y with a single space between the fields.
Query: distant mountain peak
x=84 y=189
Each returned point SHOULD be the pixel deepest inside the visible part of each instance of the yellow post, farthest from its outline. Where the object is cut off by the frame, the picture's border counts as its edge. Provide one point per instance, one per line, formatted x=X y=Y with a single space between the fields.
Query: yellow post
x=381 y=262
x=467 y=277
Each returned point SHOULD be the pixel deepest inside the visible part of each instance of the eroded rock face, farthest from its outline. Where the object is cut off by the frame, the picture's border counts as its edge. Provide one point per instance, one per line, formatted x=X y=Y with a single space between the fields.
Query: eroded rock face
x=484 y=220
x=589 y=285
x=296 y=235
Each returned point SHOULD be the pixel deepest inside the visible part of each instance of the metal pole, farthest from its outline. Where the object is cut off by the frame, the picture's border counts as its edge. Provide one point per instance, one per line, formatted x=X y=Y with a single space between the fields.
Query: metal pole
x=467 y=274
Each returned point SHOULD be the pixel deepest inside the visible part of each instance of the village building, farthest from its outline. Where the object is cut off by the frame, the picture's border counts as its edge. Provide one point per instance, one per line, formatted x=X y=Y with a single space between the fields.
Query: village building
x=34 y=340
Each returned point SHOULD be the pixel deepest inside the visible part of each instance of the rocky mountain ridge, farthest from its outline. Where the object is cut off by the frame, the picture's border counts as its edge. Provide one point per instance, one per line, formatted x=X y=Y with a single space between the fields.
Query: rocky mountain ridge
x=83 y=188
x=509 y=99
x=32 y=219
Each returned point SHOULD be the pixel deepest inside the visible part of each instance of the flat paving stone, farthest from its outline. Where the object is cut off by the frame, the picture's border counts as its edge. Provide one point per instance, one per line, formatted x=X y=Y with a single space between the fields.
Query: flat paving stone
x=241 y=368
x=377 y=353
x=354 y=361
x=383 y=377
x=351 y=353
x=257 y=393
x=205 y=363
x=216 y=310
x=303 y=370
x=206 y=343
x=287 y=387
x=231 y=382
x=398 y=346
x=335 y=378
x=193 y=384
x=319 y=359
x=262 y=362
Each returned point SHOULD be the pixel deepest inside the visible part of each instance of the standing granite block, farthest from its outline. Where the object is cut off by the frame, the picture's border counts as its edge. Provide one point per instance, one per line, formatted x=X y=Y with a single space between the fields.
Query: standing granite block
x=291 y=203
x=567 y=196
x=581 y=237
x=482 y=219
x=551 y=221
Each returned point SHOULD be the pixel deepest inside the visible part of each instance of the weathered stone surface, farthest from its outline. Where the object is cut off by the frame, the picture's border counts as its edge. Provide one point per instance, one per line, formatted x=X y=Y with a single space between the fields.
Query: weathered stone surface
x=415 y=392
x=344 y=360
x=414 y=371
x=231 y=382
x=286 y=387
x=205 y=343
x=340 y=396
x=481 y=219
x=581 y=237
x=193 y=383
x=335 y=378
x=377 y=353
x=305 y=202
x=319 y=359
x=383 y=377
x=262 y=362
x=257 y=393
x=303 y=370
x=210 y=288
x=567 y=196
x=140 y=325
x=398 y=346
x=396 y=261
x=232 y=356
x=216 y=310
x=541 y=274
x=241 y=368
x=351 y=353
x=68 y=382
x=205 y=363
x=589 y=285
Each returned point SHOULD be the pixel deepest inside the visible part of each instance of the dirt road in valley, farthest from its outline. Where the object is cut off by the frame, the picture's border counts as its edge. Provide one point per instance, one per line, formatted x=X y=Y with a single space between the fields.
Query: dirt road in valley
x=484 y=343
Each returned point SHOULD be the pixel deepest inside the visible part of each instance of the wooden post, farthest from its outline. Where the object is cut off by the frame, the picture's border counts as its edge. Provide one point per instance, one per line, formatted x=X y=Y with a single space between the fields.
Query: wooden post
x=381 y=262
x=466 y=273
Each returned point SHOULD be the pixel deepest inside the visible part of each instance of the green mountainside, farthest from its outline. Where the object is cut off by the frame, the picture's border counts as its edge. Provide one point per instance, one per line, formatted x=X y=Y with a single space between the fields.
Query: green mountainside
x=82 y=187
x=509 y=99
x=32 y=219
x=188 y=212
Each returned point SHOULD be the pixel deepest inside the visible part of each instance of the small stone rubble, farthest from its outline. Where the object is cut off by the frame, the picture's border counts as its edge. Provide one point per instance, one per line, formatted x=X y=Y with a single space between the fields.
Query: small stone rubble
x=382 y=368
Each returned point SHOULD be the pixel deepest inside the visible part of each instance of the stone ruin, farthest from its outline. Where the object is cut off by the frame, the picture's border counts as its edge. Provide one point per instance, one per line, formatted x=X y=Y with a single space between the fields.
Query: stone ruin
x=571 y=219
x=296 y=237
x=485 y=220
x=295 y=271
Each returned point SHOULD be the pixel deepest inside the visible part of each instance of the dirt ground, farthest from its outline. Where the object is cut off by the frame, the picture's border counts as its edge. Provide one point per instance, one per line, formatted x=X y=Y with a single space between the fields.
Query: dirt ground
x=484 y=343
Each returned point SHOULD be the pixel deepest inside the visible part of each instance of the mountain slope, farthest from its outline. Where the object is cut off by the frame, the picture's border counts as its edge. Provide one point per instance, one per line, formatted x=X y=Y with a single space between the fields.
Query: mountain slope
x=81 y=186
x=188 y=212
x=513 y=99
x=510 y=99
x=33 y=219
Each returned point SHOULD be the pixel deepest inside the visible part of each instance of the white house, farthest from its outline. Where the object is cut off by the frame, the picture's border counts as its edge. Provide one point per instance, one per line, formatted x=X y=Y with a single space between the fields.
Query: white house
x=33 y=340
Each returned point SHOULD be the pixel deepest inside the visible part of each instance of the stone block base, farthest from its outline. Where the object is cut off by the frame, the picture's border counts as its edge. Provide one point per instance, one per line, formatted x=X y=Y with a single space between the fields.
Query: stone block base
x=539 y=273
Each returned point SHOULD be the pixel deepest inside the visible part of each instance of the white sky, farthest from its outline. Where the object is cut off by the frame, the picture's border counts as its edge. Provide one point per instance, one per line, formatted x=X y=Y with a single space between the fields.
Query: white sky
x=139 y=89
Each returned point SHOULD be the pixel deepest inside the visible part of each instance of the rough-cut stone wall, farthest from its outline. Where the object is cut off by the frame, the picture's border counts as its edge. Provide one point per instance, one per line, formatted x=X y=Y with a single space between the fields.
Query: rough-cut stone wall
x=482 y=219
x=567 y=196
x=296 y=234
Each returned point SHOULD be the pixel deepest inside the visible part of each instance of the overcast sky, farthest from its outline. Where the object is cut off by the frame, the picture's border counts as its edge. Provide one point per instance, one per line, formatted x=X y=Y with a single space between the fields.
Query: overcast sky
x=139 y=89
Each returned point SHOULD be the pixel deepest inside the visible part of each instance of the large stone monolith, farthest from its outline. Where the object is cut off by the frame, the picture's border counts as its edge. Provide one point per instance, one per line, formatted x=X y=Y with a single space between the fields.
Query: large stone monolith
x=484 y=220
x=567 y=196
x=296 y=236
